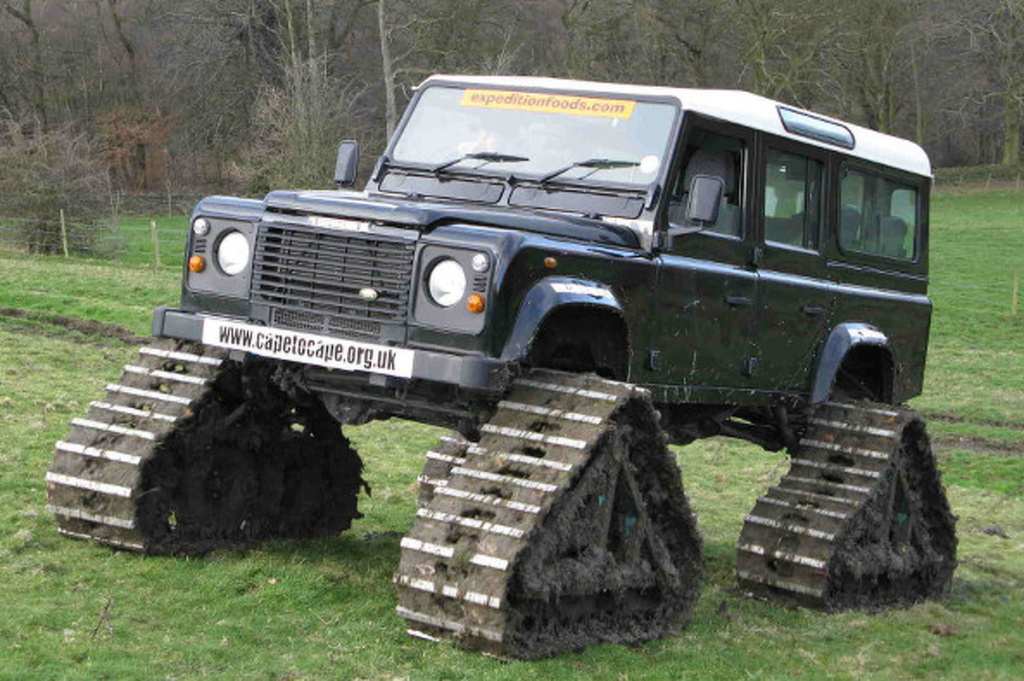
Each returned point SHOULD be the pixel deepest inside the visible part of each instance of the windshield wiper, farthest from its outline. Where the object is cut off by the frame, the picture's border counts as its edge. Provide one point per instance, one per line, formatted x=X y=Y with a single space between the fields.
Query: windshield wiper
x=595 y=163
x=486 y=156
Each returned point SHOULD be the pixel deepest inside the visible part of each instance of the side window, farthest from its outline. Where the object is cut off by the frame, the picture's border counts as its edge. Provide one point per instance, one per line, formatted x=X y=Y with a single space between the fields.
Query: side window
x=792 y=200
x=878 y=215
x=709 y=153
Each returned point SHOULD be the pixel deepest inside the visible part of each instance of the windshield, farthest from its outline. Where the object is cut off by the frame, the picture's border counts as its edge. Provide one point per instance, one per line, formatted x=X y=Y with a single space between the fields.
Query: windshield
x=537 y=135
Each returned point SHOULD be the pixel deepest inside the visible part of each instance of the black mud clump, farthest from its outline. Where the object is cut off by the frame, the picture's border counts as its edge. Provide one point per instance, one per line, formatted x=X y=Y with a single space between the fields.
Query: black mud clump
x=249 y=463
x=900 y=548
x=618 y=559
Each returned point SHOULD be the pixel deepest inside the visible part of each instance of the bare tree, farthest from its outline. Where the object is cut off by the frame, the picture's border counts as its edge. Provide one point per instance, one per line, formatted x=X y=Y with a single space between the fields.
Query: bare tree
x=46 y=172
x=37 y=73
x=297 y=128
x=787 y=48
x=387 y=68
x=993 y=35
x=876 y=56
x=207 y=86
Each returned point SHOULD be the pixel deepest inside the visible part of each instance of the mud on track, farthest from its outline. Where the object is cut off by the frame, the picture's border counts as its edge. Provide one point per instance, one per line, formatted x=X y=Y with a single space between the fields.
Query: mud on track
x=565 y=525
x=861 y=519
x=191 y=452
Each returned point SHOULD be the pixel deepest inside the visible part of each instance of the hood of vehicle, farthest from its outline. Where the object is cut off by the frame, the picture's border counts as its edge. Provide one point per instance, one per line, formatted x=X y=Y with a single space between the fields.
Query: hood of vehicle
x=428 y=215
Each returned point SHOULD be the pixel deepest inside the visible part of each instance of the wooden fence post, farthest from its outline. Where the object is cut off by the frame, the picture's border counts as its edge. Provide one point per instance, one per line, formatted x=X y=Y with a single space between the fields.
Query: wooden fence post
x=1015 y=300
x=156 y=242
x=63 y=233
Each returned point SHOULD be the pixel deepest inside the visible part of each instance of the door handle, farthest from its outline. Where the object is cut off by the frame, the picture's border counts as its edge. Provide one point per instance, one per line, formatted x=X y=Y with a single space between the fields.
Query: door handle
x=814 y=310
x=738 y=301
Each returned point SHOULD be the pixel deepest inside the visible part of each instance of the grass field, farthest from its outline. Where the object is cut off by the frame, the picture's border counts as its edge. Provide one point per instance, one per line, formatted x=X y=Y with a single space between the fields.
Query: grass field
x=325 y=609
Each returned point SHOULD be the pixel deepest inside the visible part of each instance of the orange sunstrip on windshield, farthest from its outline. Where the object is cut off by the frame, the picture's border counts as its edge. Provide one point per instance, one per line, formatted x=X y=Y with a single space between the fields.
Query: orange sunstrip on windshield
x=545 y=103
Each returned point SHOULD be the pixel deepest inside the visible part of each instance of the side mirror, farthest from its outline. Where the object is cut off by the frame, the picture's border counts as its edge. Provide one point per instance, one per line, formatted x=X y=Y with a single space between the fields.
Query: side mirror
x=706 y=194
x=347 y=166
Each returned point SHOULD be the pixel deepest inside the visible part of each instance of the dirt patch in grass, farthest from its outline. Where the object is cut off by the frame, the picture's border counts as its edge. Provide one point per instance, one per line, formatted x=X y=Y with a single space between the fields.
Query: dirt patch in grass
x=88 y=327
x=977 y=445
x=949 y=417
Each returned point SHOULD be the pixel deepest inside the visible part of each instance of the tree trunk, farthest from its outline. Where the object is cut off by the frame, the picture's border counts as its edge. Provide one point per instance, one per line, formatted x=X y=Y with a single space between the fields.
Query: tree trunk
x=1012 y=126
x=293 y=40
x=388 y=66
x=127 y=46
x=919 y=128
x=310 y=32
x=24 y=15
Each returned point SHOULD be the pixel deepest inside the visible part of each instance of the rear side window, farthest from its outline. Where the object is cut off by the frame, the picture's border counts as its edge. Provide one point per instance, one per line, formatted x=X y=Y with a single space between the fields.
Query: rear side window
x=792 y=200
x=878 y=215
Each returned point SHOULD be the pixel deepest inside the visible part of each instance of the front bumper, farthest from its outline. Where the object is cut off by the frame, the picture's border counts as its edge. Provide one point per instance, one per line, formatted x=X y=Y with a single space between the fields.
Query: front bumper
x=468 y=372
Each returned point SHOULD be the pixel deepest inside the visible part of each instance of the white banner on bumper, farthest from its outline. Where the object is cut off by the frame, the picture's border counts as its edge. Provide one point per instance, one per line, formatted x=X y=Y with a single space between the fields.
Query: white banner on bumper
x=309 y=348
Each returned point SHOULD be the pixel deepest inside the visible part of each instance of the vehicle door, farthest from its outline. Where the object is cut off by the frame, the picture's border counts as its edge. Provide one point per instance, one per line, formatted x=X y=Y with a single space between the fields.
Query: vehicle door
x=878 y=261
x=706 y=284
x=795 y=296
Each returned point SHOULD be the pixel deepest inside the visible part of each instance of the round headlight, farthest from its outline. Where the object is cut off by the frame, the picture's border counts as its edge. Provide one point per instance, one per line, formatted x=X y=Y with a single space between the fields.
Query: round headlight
x=233 y=253
x=447 y=283
x=201 y=227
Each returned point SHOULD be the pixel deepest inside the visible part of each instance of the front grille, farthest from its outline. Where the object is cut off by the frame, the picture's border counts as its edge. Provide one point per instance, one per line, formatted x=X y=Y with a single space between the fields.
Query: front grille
x=311 y=279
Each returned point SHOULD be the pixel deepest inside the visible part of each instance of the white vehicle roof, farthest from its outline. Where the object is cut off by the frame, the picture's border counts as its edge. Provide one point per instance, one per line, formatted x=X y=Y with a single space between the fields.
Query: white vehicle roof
x=736 y=106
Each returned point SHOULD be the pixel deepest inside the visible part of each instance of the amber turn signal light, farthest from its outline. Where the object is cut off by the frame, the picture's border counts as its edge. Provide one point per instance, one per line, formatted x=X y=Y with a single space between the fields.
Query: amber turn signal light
x=550 y=263
x=475 y=303
x=197 y=263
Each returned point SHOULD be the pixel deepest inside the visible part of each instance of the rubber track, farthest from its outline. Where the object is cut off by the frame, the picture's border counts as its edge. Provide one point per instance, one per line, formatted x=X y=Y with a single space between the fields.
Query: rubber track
x=189 y=452
x=96 y=474
x=483 y=505
x=822 y=511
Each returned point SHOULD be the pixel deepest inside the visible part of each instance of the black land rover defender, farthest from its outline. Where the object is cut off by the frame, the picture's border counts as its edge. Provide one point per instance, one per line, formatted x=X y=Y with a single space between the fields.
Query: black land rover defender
x=571 y=275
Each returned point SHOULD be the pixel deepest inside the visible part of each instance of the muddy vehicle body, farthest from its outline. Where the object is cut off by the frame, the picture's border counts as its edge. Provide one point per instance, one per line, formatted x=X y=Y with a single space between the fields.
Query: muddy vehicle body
x=571 y=275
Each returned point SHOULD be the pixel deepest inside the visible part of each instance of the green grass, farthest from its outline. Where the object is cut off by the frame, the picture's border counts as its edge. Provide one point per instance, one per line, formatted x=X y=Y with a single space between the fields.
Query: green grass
x=975 y=356
x=104 y=291
x=325 y=609
x=131 y=242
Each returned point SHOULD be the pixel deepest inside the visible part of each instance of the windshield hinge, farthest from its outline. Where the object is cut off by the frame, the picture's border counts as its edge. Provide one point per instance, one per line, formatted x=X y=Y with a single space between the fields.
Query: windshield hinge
x=653 y=193
x=378 y=171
